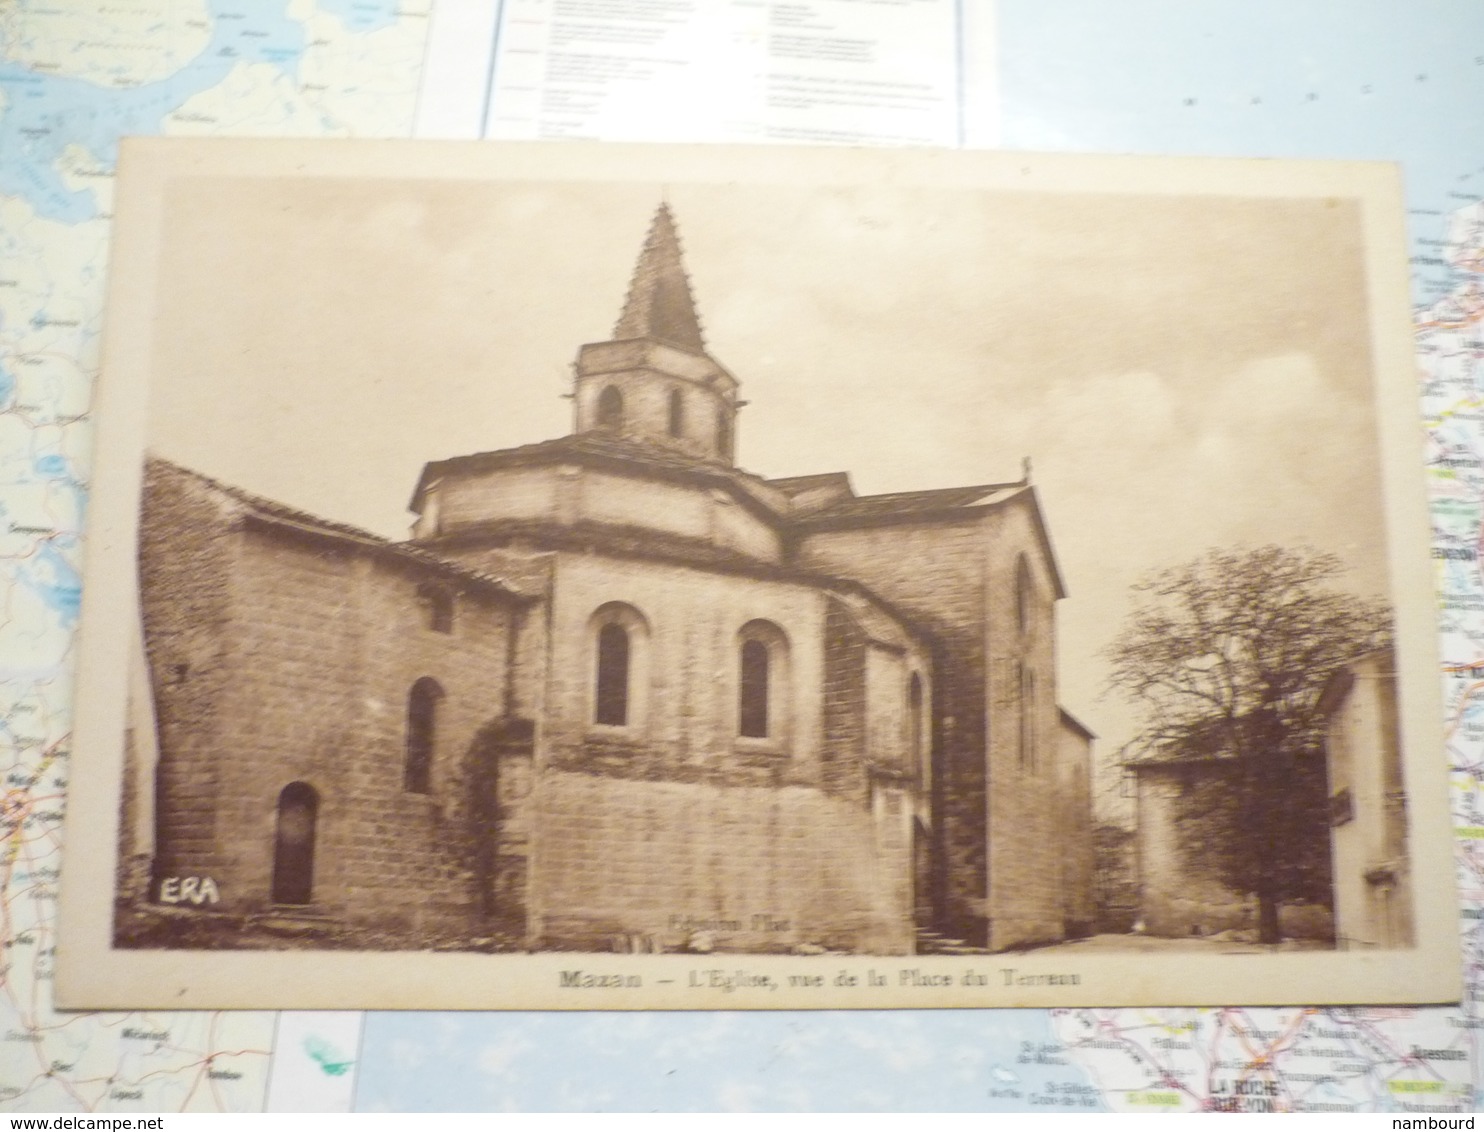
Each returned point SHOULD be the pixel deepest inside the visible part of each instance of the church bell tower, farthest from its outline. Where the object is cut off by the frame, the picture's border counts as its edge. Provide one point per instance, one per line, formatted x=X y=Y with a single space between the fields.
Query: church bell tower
x=653 y=381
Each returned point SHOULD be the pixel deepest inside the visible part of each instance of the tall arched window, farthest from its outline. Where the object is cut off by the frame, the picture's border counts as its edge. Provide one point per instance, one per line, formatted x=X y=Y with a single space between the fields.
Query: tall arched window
x=422 y=733
x=753 y=705
x=677 y=413
x=1025 y=594
x=613 y=676
x=1027 y=717
x=762 y=683
x=610 y=408
x=619 y=636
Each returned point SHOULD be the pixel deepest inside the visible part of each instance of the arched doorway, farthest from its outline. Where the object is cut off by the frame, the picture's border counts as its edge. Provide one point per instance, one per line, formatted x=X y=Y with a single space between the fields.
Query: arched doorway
x=293 y=845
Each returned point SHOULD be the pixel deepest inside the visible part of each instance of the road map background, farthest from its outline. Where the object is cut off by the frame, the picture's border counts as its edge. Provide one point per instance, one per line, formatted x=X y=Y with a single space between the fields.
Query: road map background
x=1333 y=79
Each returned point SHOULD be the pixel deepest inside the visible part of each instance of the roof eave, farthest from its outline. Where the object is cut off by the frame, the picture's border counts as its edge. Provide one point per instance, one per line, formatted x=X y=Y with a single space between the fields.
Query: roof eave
x=493 y=461
x=411 y=556
x=1076 y=724
x=809 y=524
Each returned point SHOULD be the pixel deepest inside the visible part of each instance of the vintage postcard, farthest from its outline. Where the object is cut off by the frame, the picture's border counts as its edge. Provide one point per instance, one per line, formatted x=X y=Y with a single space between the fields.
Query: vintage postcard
x=583 y=577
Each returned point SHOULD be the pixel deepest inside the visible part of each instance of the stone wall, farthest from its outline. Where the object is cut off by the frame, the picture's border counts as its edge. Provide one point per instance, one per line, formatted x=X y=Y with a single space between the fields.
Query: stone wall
x=1003 y=818
x=573 y=494
x=673 y=865
x=646 y=372
x=683 y=719
x=1027 y=838
x=1074 y=774
x=1180 y=891
x=843 y=705
x=185 y=558
x=281 y=655
x=651 y=830
x=935 y=574
x=1368 y=831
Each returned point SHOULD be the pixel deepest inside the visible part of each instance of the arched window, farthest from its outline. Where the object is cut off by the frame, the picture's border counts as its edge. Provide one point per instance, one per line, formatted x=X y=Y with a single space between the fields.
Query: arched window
x=677 y=413
x=619 y=637
x=422 y=733
x=610 y=409
x=753 y=705
x=293 y=844
x=1025 y=595
x=762 y=684
x=724 y=432
x=914 y=725
x=613 y=676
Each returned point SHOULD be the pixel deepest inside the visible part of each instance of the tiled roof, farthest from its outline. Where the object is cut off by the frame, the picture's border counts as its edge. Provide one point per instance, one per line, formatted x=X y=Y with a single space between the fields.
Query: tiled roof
x=794 y=485
x=596 y=444
x=273 y=511
x=768 y=497
x=907 y=503
x=940 y=503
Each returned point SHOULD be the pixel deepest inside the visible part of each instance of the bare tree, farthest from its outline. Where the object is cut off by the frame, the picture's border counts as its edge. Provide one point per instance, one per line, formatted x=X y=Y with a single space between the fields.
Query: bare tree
x=1227 y=655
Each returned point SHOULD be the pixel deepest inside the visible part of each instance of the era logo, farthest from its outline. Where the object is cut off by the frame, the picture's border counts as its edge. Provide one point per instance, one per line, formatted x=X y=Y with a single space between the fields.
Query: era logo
x=189 y=890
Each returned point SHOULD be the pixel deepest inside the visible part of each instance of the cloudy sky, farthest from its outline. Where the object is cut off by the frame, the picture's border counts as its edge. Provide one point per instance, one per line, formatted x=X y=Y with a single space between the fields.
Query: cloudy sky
x=1184 y=371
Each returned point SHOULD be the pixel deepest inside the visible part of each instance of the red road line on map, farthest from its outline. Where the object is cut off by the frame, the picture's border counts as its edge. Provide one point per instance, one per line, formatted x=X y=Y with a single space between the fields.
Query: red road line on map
x=1464 y=696
x=211 y=1044
x=1264 y=1060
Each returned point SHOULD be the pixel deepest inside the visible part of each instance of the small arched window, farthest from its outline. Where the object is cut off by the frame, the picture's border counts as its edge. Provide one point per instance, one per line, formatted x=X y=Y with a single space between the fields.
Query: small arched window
x=619 y=636
x=724 y=432
x=422 y=734
x=762 y=684
x=677 y=413
x=610 y=409
x=437 y=603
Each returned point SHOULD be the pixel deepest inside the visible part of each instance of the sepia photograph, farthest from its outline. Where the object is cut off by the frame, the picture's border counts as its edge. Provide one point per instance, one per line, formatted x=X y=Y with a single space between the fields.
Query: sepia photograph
x=630 y=577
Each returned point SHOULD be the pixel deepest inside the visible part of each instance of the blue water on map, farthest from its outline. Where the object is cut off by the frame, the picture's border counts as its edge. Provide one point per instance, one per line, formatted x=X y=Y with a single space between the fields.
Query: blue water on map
x=56 y=582
x=362 y=15
x=43 y=114
x=892 y=1061
x=51 y=467
x=255 y=33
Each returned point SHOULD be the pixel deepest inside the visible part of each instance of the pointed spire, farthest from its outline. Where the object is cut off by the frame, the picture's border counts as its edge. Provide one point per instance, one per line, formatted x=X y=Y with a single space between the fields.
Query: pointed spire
x=659 y=303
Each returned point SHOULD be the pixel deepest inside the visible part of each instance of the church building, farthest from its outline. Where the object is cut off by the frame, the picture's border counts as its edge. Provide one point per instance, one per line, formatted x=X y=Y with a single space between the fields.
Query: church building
x=616 y=692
